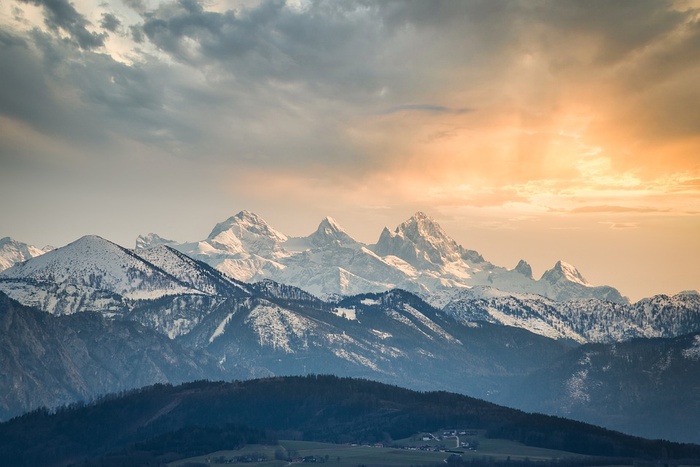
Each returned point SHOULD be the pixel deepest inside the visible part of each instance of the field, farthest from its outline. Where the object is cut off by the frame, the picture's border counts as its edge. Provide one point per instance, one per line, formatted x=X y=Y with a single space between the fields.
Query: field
x=347 y=455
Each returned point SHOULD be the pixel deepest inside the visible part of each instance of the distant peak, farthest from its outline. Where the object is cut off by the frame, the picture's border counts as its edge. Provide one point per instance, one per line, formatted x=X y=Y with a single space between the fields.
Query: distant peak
x=564 y=271
x=524 y=268
x=152 y=240
x=330 y=231
x=420 y=221
x=248 y=215
x=248 y=221
x=93 y=240
x=330 y=223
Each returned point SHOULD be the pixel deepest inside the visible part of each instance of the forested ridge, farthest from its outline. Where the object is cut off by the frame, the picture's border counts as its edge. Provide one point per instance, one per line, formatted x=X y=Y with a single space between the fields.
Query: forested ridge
x=224 y=415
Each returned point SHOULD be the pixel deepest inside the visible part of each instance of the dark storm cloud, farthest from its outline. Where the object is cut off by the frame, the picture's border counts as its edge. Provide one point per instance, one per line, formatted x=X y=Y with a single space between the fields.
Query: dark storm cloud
x=110 y=22
x=60 y=14
x=40 y=74
x=137 y=33
x=282 y=84
x=137 y=5
x=623 y=26
x=25 y=93
x=326 y=51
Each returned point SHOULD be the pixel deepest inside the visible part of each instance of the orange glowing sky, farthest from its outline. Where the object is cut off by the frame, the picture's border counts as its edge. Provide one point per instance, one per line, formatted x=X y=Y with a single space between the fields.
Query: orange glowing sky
x=542 y=130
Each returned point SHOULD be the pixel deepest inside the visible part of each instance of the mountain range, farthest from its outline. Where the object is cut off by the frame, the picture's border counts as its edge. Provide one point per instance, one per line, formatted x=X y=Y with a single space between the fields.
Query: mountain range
x=93 y=317
x=417 y=256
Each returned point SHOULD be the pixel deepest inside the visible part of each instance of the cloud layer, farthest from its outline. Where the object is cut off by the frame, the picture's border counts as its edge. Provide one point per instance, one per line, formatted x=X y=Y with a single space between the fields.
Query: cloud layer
x=476 y=108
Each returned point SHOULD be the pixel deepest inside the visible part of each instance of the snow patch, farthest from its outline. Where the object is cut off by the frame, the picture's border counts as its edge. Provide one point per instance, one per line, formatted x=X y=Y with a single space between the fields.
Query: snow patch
x=370 y=301
x=429 y=323
x=693 y=352
x=220 y=328
x=347 y=313
x=380 y=334
x=276 y=326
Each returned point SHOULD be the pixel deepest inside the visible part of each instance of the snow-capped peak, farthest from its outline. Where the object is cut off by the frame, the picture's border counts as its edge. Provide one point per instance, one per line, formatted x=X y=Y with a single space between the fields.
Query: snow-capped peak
x=249 y=222
x=152 y=240
x=12 y=251
x=422 y=225
x=427 y=234
x=330 y=232
x=524 y=268
x=91 y=261
x=330 y=224
x=564 y=271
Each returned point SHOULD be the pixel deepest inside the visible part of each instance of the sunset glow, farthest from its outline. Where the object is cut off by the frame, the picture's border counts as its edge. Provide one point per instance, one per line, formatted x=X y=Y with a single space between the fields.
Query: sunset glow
x=537 y=130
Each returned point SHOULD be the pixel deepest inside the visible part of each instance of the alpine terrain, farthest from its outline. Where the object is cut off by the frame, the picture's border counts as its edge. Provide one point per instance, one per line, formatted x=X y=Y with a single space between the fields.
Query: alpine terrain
x=415 y=310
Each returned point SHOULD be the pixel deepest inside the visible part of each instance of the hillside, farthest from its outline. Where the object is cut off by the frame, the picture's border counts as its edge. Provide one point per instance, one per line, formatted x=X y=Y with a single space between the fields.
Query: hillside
x=318 y=408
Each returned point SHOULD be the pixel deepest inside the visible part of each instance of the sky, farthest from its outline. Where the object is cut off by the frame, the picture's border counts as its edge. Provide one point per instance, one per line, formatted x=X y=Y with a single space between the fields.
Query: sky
x=538 y=129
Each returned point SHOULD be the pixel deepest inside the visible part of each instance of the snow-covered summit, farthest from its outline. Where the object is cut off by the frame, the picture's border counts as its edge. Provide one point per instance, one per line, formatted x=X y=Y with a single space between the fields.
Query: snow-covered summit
x=12 y=252
x=329 y=232
x=565 y=282
x=98 y=264
x=418 y=256
x=191 y=272
x=524 y=268
x=564 y=272
x=246 y=232
x=421 y=242
x=248 y=222
x=152 y=240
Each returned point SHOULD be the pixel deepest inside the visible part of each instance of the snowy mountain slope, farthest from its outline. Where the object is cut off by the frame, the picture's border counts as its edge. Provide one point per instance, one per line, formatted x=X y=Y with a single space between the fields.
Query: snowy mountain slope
x=535 y=313
x=197 y=275
x=392 y=336
x=277 y=329
x=565 y=282
x=48 y=360
x=94 y=274
x=152 y=240
x=243 y=246
x=418 y=256
x=658 y=316
x=580 y=320
x=420 y=241
x=329 y=232
x=12 y=252
x=646 y=387
x=94 y=262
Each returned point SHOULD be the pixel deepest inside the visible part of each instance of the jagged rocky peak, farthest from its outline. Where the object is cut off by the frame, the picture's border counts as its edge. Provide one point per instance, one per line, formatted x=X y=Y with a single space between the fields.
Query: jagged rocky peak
x=151 y=240
x=12 y=252
x=421 y=239
x=564 y=272
x=247 y=222
x=329 y=232
x=524 y=268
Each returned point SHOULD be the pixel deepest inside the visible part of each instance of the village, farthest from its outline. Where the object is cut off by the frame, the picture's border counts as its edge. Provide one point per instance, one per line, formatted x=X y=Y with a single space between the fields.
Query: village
x=454 y=441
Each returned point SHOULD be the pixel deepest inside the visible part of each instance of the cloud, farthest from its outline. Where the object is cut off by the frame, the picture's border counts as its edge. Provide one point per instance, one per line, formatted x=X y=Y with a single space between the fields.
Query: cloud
x=344 y=90
x=110 y=22
x=621 y=225
x=60 y=14
x=615 y=209
x=426 y=108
